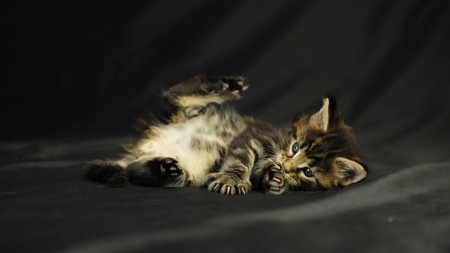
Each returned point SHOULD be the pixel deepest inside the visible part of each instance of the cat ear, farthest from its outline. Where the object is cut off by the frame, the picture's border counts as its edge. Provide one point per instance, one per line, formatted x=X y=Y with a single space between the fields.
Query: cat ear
x=321 y=119
x=349 y=171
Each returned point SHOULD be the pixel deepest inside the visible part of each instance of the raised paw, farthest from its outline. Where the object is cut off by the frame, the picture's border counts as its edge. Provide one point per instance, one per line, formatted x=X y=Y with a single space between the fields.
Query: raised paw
x=273 y=180
x=227 y=184
x=234 y=84
x=228 y=88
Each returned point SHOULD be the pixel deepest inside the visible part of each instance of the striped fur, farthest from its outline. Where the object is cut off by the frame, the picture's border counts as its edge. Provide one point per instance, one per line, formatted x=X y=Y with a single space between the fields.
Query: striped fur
x=200 y=143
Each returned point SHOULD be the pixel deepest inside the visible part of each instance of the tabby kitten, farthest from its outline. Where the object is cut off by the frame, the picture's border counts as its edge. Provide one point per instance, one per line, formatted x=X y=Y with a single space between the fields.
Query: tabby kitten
x=199 y=143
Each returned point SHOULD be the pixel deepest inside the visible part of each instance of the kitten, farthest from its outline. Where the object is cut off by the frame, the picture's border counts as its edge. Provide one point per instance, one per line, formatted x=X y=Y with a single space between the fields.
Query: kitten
x=198 y=143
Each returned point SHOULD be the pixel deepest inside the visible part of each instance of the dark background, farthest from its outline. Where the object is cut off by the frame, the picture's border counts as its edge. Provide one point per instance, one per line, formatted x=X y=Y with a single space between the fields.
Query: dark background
x=75 y=76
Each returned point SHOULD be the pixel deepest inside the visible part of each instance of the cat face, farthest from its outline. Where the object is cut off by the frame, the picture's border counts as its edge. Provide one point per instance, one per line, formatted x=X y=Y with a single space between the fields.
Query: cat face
x=321 y=152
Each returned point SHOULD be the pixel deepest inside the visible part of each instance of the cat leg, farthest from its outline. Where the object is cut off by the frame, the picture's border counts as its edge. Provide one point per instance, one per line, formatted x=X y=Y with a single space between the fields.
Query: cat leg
x=109 y=173
x=234 y=175
x=160 y=171
x=194 y=94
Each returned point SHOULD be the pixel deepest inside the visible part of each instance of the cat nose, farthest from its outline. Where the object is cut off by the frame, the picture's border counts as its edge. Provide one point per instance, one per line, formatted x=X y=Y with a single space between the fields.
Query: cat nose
x=288 y=167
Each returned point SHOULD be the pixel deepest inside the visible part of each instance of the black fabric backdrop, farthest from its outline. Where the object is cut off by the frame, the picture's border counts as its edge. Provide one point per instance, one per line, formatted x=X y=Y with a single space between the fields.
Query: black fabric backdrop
x=76 y=74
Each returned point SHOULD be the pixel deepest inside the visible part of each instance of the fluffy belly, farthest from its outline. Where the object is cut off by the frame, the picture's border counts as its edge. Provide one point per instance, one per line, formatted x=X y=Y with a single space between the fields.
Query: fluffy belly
x=192 y=144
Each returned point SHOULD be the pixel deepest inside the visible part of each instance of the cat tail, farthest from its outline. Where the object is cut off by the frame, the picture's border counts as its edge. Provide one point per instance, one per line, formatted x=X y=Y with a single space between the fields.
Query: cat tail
x=109 y=173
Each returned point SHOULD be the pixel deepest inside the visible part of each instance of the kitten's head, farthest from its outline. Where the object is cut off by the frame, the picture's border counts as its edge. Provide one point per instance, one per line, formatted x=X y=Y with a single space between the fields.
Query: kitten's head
x=321 y=152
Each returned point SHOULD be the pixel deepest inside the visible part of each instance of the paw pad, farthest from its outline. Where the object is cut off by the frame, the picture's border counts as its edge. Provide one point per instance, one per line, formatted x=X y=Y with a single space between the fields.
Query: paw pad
x=234 y=84
x=273 y=181
x=168 y=168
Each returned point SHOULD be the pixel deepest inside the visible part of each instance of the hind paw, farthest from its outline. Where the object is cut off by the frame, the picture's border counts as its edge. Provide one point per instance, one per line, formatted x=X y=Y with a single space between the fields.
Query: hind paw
x=168 y=168
x=228 y=88
x=156 y=172
x=234 y=84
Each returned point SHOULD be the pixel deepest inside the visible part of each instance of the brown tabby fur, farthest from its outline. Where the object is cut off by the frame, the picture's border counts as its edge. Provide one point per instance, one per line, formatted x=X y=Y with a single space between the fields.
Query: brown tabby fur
x=198 y=143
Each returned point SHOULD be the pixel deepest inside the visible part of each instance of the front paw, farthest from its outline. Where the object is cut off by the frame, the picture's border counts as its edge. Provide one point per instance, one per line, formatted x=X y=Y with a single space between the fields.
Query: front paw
x=227 y=184
x=273 y=180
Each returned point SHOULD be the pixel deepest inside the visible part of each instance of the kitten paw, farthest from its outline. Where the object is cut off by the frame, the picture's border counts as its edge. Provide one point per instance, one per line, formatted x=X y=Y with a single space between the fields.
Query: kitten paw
x=156 y=172
x=234 y=84
x=168 y=168
x=273 y=180
x=228 y=88
x=226 y=184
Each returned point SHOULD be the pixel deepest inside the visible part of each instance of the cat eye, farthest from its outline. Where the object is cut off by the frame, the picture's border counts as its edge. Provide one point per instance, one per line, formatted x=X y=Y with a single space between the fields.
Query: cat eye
x=308 y=172
x=295 y=148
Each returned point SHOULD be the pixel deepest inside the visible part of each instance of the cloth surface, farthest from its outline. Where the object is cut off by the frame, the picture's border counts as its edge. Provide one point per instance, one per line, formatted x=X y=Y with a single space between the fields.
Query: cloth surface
x=77 y=75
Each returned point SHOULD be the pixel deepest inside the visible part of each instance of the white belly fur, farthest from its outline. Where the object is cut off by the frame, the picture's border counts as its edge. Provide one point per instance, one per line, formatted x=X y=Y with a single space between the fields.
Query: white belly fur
x=174 y=141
